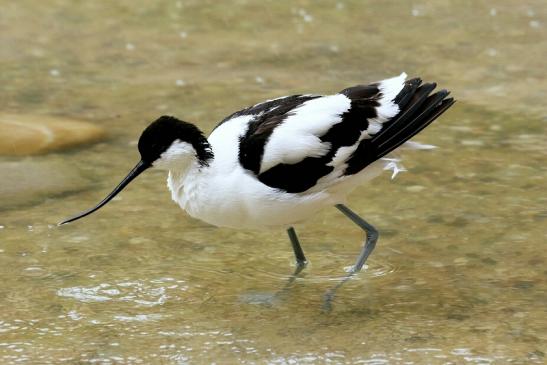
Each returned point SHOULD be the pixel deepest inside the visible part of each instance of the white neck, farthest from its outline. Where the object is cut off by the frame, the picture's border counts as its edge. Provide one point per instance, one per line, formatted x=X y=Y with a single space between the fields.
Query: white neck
x=186 y=170
x=177 y=176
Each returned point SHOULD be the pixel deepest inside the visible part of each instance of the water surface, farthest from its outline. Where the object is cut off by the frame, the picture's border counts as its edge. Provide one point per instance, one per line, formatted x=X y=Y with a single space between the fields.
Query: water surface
x=457 y=277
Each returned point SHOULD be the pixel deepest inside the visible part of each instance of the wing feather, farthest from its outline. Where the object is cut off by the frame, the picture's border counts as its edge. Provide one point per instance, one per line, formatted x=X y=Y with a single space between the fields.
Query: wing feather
x=299 y=142
x=298 y=135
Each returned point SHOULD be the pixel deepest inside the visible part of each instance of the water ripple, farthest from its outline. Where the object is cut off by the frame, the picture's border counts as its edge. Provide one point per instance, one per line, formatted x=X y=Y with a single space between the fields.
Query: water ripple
x=142 y=293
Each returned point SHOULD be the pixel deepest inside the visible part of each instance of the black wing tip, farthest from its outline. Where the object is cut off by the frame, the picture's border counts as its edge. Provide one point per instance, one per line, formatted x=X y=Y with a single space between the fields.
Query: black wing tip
x=443 y=106
x=414 y=81
x=408 y=91
x=442 y=92
x=428 y=87
x=450 y=100
x=419 y=107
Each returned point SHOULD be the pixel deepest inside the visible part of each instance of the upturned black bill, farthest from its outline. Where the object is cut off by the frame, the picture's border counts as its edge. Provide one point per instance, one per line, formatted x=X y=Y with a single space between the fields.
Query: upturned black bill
x=137 y=170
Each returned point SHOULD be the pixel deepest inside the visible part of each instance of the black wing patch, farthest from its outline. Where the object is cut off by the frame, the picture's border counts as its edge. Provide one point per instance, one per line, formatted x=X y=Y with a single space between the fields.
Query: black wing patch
x=301 y=176
x=417 y=110
x=268 y=116
x=270 y=106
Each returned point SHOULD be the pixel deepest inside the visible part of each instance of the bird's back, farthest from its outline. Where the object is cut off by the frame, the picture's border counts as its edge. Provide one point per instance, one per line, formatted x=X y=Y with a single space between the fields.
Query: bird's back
x=303 y=143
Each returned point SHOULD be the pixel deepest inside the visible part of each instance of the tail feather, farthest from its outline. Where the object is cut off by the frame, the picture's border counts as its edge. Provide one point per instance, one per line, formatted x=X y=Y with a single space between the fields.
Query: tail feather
x=417 y=109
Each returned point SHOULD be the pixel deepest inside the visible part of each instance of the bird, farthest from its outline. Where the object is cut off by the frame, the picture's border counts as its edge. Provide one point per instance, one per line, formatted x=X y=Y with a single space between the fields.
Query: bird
x=281 y=161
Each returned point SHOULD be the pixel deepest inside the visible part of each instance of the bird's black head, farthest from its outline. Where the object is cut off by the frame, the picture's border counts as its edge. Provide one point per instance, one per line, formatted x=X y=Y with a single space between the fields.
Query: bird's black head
x=167 y=143
x=167 y=136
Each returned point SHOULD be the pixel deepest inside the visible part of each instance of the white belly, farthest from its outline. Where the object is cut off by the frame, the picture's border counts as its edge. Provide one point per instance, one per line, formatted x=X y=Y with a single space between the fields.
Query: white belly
x=238 y=200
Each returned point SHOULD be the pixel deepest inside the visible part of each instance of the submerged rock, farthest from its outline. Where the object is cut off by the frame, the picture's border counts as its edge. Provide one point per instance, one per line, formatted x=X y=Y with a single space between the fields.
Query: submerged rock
x=22 y=135
x=30 y=182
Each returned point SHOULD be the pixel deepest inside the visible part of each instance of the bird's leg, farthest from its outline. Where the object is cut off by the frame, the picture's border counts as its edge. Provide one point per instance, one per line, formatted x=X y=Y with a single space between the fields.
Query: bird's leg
x=298 y=252
x=301 y=262
x=370 y=243
x=372 y=236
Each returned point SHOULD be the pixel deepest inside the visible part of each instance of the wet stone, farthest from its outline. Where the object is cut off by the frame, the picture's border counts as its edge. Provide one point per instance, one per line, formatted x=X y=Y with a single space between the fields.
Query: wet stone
x=30 y=182
x=22 y=135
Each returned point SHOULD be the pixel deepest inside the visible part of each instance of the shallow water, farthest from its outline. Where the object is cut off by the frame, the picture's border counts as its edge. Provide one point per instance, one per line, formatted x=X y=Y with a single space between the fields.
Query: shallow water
x=457 y=277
